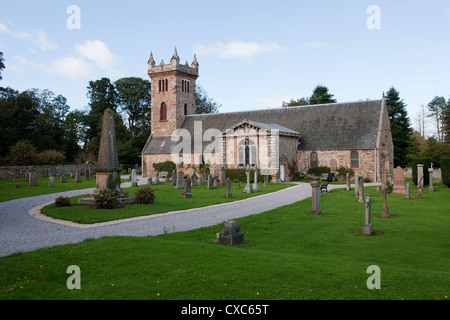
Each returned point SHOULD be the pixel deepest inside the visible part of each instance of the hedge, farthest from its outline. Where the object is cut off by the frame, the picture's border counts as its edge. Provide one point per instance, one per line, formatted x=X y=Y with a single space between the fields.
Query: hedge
x=167 y=166
x=241 y=175
x=427 y=164
x=445 y=170
x=318 y=171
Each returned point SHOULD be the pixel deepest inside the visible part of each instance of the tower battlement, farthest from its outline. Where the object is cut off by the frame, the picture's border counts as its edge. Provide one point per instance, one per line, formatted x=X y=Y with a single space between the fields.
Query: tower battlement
x=174 y=65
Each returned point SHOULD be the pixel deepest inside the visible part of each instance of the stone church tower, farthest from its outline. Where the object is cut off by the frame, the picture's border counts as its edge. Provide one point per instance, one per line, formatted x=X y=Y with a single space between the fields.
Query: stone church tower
x=173 y=94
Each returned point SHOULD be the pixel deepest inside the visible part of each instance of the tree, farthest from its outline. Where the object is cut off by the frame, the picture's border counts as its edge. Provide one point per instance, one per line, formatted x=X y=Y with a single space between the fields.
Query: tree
x=321 y=95
x=134 y=98
x=203 y=103
x=437 y=108
x=22 y=153
x=294 y=103
x=400 y=126
x=446 y=123
x=2 y=64
x=74 y=133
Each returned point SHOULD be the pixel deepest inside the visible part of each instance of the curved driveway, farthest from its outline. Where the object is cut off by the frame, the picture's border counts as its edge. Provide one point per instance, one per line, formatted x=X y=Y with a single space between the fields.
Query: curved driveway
x=20 y=231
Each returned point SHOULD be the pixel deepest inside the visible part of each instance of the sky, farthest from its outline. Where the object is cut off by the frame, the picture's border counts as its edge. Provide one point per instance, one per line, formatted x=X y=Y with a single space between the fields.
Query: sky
x=251 y=54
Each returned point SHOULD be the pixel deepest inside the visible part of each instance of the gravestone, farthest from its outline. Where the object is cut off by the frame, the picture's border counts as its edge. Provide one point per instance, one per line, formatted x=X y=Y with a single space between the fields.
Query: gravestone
x=385 y=210
x=63 y=178
x=180 y=180
x=17 y=186
x=149 y=181
x=77 y=176
x=86 y=174
x=399 y=183
x=108 y=167
x=315 y=188
x=367 y=226
x=408 y=192
x=174 y=177
x=207 y=172
x=187 y=189
x=231 y=234
x=248 y=188
x=32 y=182
x=210 y=182
x=194 y=179
x=214 y=182
x=266 y=179
x=223 y=178
x=347 y=178
x=361 y=189
x=134 y=182
x=202 y=180
x=51 y=182
x=228 y=193
x=420 y=176
x=157 y=178
x=255 y=180
x=431 y=186
x=356 y=185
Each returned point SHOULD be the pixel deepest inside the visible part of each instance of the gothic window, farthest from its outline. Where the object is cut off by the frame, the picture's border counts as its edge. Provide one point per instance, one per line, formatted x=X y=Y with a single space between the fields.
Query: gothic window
x=163 y=85
x=247 y=153
x=163 y=112
x=185 y=109
x=185 y=86
x=354 y=160
x=313 y=159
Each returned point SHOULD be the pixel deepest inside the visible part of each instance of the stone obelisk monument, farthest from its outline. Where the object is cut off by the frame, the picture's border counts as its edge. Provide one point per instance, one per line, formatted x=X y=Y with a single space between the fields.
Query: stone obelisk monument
x=108 y=167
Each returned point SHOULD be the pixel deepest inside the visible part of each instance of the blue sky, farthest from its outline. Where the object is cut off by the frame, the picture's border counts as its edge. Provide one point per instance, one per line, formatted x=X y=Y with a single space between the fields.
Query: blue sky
x=252 y=54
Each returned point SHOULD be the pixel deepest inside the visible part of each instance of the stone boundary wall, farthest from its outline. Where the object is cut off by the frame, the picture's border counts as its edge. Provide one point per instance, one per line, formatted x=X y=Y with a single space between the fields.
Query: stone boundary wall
x=41 y=171
x=437 y=177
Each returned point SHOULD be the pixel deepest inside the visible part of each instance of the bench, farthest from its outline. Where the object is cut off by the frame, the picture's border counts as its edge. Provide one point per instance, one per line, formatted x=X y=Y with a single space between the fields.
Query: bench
x=324 y=176
x=324 y=188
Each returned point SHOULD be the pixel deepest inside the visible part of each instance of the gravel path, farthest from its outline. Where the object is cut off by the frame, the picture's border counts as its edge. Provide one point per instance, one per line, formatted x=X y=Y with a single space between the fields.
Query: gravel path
x=21 y=232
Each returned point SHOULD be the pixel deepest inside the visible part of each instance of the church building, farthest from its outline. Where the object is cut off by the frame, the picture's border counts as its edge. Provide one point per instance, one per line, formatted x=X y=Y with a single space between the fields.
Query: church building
x=354 y=135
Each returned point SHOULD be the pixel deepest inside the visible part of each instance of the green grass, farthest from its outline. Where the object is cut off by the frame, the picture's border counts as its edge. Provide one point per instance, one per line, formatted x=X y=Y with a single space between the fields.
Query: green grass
x=287 y=254
x=9 y=192
x=167 y=199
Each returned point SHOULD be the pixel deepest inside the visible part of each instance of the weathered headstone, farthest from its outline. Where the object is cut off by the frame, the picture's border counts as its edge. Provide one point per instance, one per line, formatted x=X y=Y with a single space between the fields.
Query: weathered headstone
x=266 y=179
x=231 y=234
x=361 y=189
x=228 y=193
x=180 y=180
x=77 y=176
x=207 y=172
x=157 y=178
x=248 y=188
x=51 y=182
x=174 y=177
x=223 y=177
x=202 y=180
x=315 y=189
x=32 y=182
x=399 y=183
x=214 y=182
x=431 y=186
x=385 y=210
x=86 y=174
x=63 y=178
x=210 y=182
x=134 y=182
x=187 y=189
x=420 y=175
x=108 y=167
x=367 y=226
x=347 y=178
x=255 y=180
x=408 y=192
x=356 y=185
x=194 y=179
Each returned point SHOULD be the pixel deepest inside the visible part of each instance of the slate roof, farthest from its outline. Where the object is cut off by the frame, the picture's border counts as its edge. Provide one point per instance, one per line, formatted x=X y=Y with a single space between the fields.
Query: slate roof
x=351 y=125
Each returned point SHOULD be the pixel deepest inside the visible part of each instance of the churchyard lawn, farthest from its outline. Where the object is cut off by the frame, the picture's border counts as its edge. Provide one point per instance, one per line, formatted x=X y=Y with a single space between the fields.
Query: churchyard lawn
x=167 y=199
x=287 y=254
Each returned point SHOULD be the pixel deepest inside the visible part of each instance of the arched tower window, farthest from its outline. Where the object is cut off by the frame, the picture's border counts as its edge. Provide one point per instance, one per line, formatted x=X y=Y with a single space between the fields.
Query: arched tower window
x=185 y=109
x=313 y=159
x=163 y=112
x=354 y=160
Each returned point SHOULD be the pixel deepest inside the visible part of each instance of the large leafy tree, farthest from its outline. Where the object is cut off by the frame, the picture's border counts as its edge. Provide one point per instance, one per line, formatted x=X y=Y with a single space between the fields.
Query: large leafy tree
x=437 y=108
x=446 y=120
x=400 y=126
x=2 y=64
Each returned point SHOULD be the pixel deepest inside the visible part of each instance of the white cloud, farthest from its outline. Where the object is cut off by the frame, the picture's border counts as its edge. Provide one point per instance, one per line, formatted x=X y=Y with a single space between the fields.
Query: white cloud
x=315 y=44
x=38 y=37
x=73 y=68
x=97 y=52
x=3 y=28
x=238 y=49
x=41 y=40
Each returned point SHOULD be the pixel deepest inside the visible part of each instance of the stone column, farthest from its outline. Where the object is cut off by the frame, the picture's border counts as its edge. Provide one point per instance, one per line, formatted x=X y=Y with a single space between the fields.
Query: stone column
x=431 y=186
x=361 y=189
x=248 y=188
x=347 y=178
x=315 y=186
x=228 y=193
x=134 y=178
x=187 y=189
x=367 y=226
x=420 y=176
x=408 y=192
x=255 y=180
x=356 y=185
